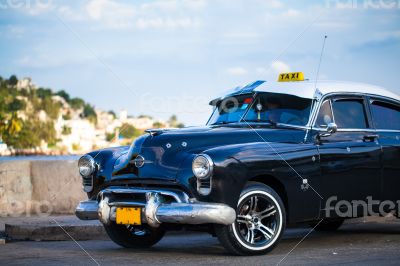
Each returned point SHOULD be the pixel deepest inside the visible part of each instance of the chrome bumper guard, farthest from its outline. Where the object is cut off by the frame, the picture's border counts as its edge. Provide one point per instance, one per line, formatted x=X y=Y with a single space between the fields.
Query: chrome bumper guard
x=161 y=206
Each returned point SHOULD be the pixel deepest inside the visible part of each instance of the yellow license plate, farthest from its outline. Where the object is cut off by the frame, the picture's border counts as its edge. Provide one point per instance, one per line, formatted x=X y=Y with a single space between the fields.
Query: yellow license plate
x=129 y=216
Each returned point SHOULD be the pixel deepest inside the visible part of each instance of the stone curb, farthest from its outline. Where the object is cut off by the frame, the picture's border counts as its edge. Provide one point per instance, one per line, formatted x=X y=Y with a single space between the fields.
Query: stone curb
x=55 y=232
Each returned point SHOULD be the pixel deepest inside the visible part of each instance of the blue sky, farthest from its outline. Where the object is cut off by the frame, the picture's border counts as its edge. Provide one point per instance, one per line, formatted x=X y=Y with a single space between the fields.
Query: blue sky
x=172 y=56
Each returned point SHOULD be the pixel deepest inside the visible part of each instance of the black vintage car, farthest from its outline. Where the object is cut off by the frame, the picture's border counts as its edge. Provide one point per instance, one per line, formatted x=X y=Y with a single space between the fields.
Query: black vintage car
x=271 y=154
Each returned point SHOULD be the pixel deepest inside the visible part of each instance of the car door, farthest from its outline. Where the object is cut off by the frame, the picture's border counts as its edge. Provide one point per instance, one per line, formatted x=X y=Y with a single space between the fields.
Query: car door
x=386 y=118
x=350 y=157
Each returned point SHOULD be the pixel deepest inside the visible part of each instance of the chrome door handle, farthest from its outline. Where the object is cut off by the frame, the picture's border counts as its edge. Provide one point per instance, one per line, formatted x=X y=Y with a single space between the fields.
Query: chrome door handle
x=371 y=137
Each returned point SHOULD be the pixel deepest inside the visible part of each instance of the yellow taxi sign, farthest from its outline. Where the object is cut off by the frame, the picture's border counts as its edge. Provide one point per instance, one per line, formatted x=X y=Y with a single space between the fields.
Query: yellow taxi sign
x=294 y=76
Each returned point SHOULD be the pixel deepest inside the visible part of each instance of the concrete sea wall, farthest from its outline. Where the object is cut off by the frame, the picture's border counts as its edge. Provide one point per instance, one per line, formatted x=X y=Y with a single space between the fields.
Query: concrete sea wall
x=39 y=187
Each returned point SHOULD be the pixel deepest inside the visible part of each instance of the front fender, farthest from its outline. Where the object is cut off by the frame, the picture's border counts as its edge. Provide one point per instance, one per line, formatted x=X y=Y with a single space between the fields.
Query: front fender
x=291 y=164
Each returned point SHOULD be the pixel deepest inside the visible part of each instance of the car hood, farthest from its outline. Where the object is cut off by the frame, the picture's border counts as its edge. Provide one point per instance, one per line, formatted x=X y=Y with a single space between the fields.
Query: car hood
x=164 y=151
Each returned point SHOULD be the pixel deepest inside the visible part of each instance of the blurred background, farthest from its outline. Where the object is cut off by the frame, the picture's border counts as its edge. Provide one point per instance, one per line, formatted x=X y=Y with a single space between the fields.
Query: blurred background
x=81 y=75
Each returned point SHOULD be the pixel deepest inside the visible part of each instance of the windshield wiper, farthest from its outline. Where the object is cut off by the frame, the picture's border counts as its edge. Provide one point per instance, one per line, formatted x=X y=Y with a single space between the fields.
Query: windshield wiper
x=222 y=123
x=272 y=123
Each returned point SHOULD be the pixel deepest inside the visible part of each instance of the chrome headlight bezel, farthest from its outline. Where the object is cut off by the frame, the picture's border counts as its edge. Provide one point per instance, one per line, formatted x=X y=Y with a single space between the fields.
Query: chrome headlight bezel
x=86 y=165
x=206 y=164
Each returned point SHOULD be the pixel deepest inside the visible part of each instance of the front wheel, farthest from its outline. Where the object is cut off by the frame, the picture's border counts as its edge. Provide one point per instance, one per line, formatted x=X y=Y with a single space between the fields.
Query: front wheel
x=259 y=225
x=130 y=236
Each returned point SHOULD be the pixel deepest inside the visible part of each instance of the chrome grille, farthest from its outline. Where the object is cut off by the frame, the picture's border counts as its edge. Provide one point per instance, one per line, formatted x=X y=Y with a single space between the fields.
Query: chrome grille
x=204 y=186
x=87 y=183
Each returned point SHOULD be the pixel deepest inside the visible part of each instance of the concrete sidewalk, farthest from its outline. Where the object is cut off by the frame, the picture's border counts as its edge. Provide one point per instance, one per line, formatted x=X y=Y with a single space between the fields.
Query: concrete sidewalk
x=50 y=228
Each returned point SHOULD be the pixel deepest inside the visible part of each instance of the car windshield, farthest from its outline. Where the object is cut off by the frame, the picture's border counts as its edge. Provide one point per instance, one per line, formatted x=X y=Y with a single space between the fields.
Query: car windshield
x=273 y=108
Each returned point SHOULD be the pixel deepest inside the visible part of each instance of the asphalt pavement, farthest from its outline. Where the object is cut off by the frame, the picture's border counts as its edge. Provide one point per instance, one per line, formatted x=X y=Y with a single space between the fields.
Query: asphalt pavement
x=369 y=243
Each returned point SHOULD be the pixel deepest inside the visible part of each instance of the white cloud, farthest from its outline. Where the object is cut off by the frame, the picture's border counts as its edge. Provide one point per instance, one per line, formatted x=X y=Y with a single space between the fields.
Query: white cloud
x=17 y=31
x=39 y=7
x=174 y=5
x=195 y=4
x=261 y=70
x=166 y=23
x=241 y=35
x=388 y=35
x=110 y=14
x=280 y=67
x=292 y=13
x=275 y=68
x=165 y=5
x=68 y=13
x=271 y=3
x=236 y=71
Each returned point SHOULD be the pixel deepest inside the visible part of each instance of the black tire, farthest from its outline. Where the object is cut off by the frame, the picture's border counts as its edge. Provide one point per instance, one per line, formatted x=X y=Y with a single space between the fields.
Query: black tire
x=231 y=236
x=134 y=236
x=328 y=225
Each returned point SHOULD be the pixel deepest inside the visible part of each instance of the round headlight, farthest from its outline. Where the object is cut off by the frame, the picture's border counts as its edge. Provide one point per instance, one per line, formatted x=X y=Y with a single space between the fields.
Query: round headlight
x=86 y=165
x=202 y=166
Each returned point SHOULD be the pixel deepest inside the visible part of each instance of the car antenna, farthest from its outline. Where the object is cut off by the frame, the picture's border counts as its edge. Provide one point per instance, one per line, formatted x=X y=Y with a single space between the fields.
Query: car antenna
x=320 y=61
x=315 y=100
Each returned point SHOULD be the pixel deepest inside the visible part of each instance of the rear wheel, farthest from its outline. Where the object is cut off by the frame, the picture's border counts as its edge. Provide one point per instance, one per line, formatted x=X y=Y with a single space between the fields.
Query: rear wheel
x=259 y=225
x=130 y=236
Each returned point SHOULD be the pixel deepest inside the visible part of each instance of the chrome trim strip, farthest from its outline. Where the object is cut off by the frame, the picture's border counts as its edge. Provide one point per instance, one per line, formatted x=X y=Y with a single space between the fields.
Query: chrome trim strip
x=293 y=126
x=126 y=204
x=356 y=130
x=348 y=129
x=380 y=98
x=179 y=196
x=388 y=130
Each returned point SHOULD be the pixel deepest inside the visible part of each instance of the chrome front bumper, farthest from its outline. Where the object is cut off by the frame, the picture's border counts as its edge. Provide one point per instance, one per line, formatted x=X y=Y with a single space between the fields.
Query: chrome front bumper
x=160 y=206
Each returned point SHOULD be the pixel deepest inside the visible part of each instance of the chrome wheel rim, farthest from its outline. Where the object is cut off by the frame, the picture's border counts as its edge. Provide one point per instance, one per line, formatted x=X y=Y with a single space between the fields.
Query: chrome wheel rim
x=259 y=220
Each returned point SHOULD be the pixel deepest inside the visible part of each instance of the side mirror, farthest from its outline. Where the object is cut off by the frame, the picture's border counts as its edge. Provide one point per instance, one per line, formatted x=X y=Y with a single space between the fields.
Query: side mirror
x=330 y=129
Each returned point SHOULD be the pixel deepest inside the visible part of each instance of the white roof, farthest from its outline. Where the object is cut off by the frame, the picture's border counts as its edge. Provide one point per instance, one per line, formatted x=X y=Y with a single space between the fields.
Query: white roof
x=306 y=89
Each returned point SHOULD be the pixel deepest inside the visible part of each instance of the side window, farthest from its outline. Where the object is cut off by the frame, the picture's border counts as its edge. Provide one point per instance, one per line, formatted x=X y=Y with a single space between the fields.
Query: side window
x=325 y=115
x=350 y=113
x=386 y=115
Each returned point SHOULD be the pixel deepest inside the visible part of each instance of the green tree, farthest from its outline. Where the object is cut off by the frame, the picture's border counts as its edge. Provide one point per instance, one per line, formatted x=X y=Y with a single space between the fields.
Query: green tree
x=158 y=124
x=111 y=112
x=16 y=105
x=67 y=116
x=13 y=80
x=145 y=116
x=76 y=103
x=51 y=107
x=66 y=130
x=44 y=93
x=173 y=119
x=110 y=136
x=173 y=122
x=128 y=131
x=64 y=94
x=10 y=126
x=90 y=113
